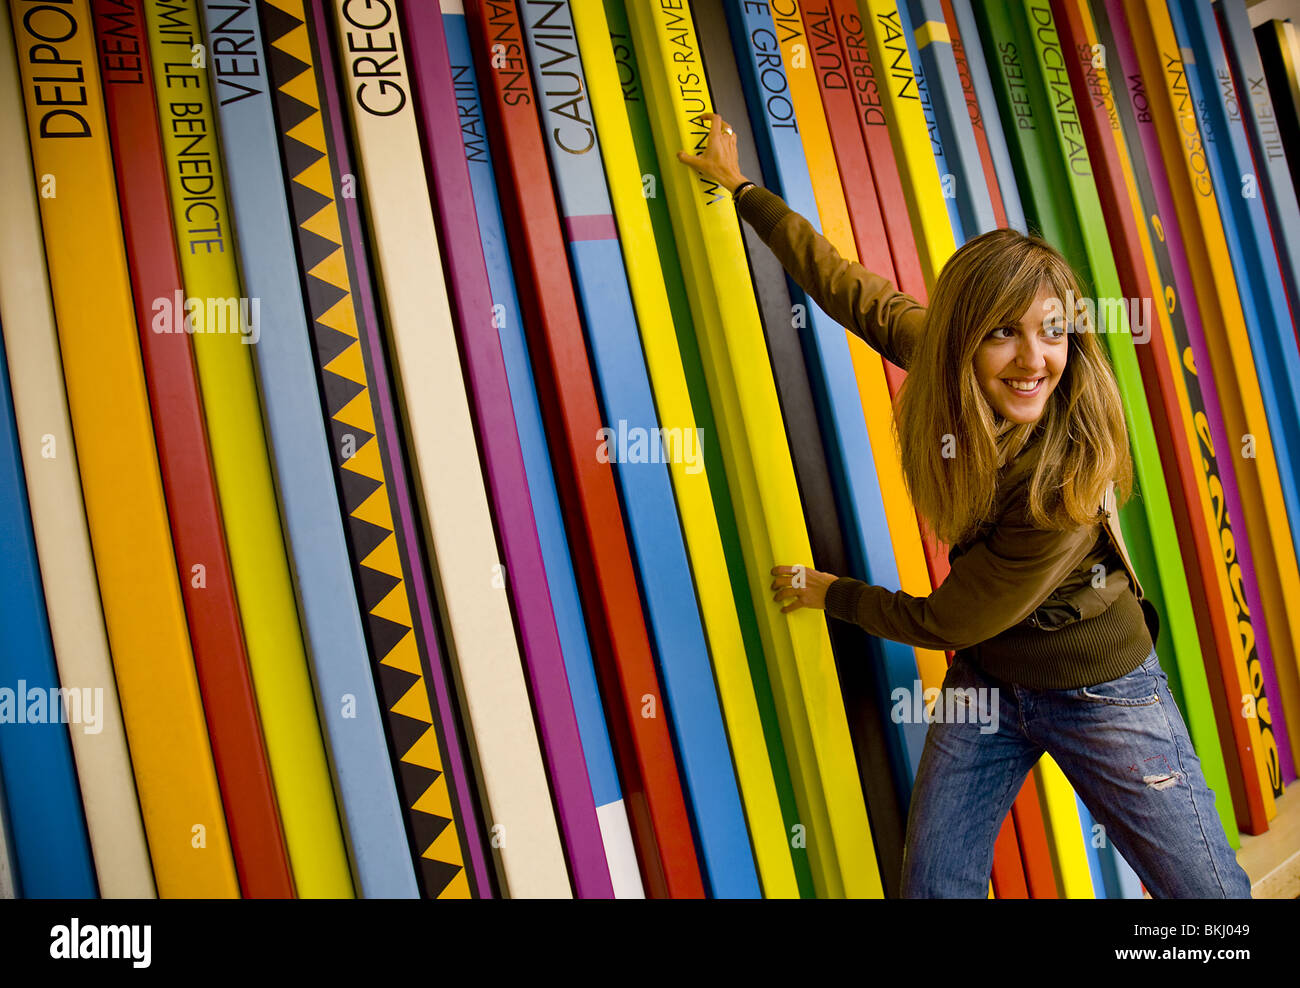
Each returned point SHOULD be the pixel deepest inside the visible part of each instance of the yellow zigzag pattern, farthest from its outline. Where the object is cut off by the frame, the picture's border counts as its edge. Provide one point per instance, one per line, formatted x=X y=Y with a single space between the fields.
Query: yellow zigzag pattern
x=359 y=413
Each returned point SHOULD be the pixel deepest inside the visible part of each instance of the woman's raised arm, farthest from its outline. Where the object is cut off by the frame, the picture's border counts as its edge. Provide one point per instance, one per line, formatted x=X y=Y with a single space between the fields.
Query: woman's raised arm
x=866 y=303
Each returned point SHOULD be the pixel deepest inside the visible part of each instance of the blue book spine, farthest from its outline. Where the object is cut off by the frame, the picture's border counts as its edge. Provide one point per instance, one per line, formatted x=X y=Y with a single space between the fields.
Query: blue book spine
x=48 y=843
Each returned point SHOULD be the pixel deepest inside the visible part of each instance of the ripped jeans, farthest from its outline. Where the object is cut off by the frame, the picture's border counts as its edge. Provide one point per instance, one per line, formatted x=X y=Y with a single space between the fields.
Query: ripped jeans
x=1125 y=749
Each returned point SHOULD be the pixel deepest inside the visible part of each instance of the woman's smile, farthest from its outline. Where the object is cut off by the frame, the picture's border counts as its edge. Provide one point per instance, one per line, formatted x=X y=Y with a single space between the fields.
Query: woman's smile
x=1024 y=388
x=1019 y=364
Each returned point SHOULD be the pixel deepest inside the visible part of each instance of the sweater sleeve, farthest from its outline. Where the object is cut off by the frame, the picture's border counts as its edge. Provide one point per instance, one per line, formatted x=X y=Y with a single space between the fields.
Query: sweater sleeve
x=995 y=584
x=866 y=303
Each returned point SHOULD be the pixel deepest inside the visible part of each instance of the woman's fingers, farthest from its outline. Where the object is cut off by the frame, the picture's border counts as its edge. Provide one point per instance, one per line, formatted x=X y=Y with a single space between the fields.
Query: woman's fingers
x=719 y=159
x=783 y=585
x=796 y=600
x=801 y=586
x=694 y=160
x=715 y=126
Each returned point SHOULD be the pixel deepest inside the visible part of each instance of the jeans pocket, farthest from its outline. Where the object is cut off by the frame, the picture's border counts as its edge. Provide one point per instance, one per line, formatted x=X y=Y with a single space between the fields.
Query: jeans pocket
x=1138 y=688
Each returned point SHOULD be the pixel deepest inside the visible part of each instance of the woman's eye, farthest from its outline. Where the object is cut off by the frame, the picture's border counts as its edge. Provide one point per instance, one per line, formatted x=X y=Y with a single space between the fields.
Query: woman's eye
x=1056 y=332
x=995 y=334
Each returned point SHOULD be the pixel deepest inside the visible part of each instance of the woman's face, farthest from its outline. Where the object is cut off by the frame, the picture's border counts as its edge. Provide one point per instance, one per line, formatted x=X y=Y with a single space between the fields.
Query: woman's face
x=1029 y=353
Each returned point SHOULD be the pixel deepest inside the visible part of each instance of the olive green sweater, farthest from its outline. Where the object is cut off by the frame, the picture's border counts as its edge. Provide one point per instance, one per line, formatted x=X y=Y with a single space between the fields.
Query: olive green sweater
x=1039 y=608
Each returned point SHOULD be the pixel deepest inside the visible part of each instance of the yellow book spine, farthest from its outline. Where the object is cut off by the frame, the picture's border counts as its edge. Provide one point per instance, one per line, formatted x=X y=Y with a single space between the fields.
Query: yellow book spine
x=108 y=401
x=694 y=500
x=249 y=511
x=797 y=645
x=31 y=342
x=1069 y=853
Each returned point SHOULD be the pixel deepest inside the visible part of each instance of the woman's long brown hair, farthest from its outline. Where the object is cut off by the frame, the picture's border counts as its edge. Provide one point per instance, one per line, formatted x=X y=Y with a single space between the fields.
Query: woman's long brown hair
x=954 y=444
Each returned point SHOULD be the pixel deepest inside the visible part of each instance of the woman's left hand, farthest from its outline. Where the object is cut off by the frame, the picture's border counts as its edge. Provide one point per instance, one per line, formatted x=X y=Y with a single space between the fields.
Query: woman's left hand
x=803 y=585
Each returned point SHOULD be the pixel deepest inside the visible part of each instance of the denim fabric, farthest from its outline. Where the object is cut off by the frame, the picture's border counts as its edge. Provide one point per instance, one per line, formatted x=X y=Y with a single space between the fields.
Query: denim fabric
x=1123 y=746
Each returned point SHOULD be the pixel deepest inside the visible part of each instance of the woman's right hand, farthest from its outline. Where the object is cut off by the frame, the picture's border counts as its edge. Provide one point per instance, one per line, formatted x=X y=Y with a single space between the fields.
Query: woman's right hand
x=719 y=161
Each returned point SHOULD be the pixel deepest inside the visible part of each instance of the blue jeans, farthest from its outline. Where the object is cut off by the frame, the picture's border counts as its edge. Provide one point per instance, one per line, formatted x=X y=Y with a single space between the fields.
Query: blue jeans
x=1123 y=746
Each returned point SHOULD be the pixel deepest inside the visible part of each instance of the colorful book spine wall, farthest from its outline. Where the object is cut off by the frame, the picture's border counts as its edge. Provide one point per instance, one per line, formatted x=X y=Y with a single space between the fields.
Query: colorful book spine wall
x=397 y=439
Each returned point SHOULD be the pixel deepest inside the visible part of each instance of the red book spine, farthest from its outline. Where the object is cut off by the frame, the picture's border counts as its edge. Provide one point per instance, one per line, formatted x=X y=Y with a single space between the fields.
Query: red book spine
x=216 y=633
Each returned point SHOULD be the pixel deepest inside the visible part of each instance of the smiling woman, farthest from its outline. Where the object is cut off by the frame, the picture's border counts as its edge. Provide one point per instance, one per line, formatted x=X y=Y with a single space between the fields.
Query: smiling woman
x=1013 y=443
x=994 y=322
x=1018 y=366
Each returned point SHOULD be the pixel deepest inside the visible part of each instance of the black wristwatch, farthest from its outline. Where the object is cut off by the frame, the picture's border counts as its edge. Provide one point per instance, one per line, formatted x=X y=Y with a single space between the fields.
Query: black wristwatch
x=740 y=190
